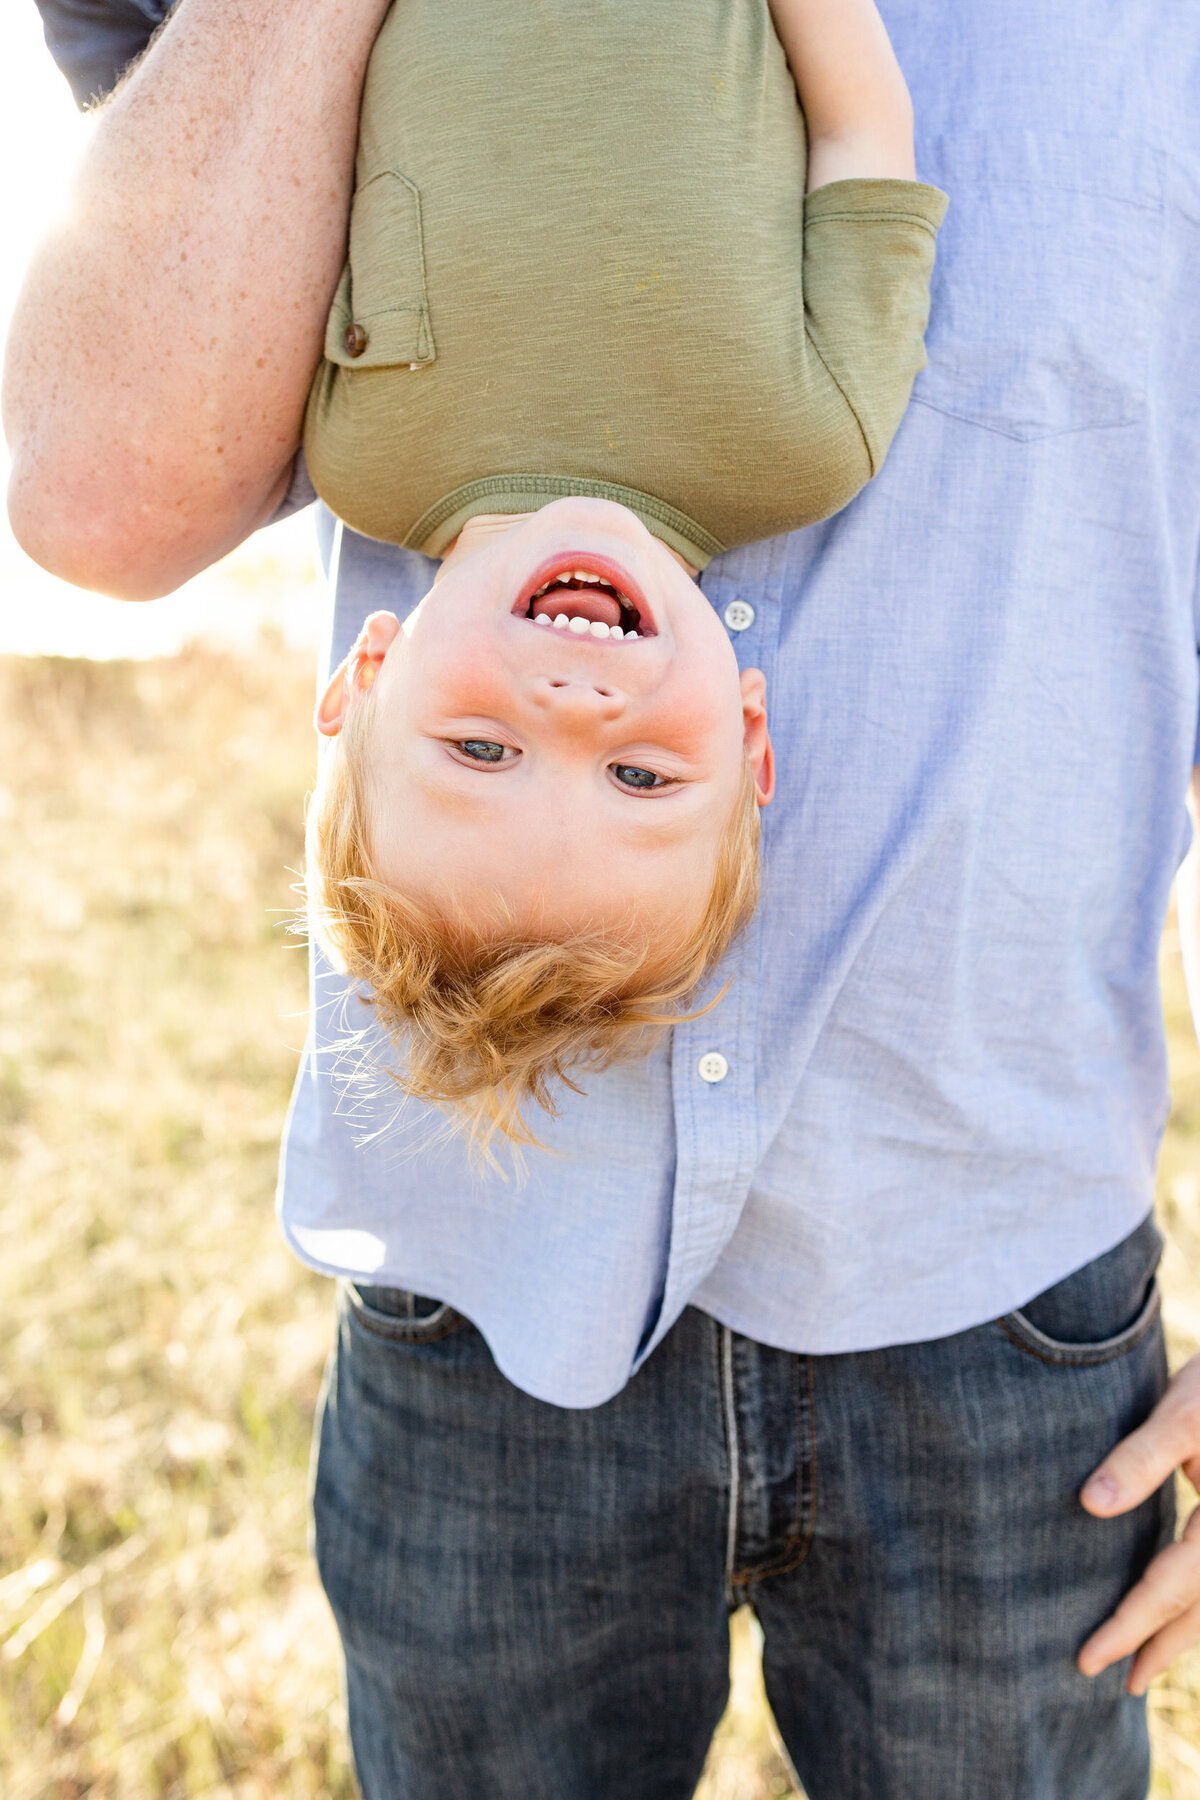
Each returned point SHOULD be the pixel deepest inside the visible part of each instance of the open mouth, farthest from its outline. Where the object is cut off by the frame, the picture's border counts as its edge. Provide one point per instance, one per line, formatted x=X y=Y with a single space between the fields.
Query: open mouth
x=587 y=603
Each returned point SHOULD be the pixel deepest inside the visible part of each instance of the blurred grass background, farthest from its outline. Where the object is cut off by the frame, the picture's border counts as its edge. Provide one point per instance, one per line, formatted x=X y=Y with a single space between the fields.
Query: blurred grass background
x=162 y=1632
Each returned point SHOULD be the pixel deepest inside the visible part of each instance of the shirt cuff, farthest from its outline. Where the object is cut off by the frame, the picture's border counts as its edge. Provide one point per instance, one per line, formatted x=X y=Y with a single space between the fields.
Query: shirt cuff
x=871 y=199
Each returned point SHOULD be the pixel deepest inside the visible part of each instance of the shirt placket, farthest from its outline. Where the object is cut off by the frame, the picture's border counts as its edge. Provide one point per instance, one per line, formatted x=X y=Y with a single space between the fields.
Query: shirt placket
x=714 y=1057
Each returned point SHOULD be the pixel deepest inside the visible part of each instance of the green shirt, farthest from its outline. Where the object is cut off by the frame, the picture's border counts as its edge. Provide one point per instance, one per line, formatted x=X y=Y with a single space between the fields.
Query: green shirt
x=582 y=261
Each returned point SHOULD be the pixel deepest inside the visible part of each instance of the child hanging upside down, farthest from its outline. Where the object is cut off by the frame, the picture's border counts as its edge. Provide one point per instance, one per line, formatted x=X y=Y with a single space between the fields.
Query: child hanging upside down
x=615 y=301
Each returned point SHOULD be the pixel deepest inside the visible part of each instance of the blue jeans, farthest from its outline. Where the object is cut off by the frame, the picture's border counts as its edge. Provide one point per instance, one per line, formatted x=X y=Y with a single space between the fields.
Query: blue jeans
x=533 y=1601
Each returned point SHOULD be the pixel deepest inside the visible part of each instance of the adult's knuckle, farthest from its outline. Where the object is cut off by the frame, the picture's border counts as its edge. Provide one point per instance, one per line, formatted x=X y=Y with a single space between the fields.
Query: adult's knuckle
x=1169 y=1565
x=1167 y=1591
x=1185 y=1420
x=1187 y=1563
x=1143 y=1461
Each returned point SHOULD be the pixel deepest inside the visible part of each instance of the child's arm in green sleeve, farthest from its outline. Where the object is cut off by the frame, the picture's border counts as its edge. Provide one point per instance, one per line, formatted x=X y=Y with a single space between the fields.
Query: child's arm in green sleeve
x=855 y=101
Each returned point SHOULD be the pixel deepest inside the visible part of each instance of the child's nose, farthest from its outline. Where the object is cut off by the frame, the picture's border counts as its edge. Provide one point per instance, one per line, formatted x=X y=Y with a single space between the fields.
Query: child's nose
x=575 y=702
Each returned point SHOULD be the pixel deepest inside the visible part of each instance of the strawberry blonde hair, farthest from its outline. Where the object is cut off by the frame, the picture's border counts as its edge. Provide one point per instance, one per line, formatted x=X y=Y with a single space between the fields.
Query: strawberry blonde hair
x=488 y=1024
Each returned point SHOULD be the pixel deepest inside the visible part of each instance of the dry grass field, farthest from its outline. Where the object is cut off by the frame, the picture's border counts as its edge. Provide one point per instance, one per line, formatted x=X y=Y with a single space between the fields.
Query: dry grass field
x=161 y=1629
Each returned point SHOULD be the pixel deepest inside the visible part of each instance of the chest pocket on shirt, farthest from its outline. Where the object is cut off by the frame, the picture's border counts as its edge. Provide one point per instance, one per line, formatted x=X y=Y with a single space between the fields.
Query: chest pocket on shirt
x=380 y=313
x=1046 y=283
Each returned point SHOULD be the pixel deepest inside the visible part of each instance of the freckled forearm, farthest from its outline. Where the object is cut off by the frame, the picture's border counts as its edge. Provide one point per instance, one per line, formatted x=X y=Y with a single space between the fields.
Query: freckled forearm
x=162 y=346
x=855 y=99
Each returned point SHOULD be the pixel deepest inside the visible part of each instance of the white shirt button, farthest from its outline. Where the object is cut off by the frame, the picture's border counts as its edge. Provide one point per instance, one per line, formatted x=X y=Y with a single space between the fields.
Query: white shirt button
x=712 y=1066
x=739 y=614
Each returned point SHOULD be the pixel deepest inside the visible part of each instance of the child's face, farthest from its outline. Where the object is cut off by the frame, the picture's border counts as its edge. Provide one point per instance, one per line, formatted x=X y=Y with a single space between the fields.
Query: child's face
x=565 y=779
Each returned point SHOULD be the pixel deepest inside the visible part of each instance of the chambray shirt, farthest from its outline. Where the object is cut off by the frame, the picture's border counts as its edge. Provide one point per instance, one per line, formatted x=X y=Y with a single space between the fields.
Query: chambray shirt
x=945 y=1065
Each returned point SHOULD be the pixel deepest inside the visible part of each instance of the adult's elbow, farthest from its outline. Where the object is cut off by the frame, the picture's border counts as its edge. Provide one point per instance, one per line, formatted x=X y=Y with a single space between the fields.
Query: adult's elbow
x=102 y=529
x=88 y=544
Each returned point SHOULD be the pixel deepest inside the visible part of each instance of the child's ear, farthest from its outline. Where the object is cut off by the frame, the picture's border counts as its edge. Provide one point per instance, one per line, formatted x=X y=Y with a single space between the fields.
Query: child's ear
x=357 y=673
x=757 y=738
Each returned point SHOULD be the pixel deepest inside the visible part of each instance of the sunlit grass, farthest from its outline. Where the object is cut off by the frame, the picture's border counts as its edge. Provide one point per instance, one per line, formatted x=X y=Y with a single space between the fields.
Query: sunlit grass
x=163 y=1349
x=163 y=1631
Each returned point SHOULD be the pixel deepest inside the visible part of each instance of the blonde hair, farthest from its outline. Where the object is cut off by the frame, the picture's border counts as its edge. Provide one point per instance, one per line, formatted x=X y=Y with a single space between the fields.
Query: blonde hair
x=487 y=1024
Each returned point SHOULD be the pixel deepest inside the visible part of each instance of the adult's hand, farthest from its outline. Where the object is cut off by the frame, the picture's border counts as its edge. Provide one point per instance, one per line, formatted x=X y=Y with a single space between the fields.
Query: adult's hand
x=163 y=344
x=1160 y=1617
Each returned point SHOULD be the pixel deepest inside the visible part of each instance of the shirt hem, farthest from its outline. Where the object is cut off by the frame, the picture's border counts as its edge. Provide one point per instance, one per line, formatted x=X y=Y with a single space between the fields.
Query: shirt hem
x=854 y=1340
x=553 y=1392
x=885 y=199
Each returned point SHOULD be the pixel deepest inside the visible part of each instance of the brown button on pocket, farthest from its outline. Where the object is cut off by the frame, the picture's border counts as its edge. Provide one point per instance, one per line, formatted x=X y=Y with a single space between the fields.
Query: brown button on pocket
x=380 y=313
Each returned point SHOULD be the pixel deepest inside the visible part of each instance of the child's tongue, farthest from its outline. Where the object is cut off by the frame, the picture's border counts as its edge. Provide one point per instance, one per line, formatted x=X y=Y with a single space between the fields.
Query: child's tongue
x=578 y=603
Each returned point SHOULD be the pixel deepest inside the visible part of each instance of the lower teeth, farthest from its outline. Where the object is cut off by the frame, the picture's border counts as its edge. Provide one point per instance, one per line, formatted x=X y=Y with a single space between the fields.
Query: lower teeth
x=628 y=627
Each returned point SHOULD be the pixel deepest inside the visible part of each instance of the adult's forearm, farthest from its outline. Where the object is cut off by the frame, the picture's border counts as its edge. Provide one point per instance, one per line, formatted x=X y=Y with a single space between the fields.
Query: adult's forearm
x=162 y=346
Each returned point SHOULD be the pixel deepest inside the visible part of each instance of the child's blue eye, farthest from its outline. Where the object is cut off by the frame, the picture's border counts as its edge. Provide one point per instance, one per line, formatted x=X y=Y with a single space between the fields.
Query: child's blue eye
x=481 y=750
x=628 y=776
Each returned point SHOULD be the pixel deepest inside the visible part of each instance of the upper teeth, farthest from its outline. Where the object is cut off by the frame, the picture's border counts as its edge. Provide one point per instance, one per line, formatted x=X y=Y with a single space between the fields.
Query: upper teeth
x=576 y=575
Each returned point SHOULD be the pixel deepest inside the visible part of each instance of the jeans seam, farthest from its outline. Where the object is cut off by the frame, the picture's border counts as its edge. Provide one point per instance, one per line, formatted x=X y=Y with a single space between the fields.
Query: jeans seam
x=401 y=1330
x=1087 y=1355
x=734 y=1451
x=806 y=1465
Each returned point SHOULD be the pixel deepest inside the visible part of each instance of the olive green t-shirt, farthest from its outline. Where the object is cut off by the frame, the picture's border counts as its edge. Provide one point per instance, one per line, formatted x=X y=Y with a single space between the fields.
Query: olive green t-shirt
x=582 y=262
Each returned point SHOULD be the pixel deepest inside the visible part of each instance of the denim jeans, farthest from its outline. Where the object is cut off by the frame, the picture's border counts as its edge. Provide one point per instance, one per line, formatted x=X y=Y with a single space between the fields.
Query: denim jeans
x=533 y=1601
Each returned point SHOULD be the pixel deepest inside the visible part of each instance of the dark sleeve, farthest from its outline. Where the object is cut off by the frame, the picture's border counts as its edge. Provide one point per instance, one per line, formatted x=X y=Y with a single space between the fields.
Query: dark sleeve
x=93 y=41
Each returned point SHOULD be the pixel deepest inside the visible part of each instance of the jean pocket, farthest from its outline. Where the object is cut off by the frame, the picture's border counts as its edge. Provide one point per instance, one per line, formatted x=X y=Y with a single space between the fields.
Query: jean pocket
x=380 y=314
x=1046 y=283
x=1101 y=1312
x=398 y=1315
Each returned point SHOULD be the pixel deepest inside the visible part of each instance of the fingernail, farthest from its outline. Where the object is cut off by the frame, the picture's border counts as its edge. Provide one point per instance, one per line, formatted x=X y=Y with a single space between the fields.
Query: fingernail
x=1101 y=1491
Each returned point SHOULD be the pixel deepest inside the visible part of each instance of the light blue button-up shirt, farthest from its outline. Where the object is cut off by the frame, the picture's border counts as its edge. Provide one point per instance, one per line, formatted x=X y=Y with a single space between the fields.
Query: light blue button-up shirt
x=945 y=1075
